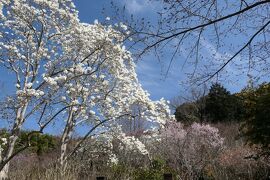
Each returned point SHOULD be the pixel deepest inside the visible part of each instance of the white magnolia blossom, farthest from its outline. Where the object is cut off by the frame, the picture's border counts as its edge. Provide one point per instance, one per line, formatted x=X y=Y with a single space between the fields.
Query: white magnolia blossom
x=123 y=26
x=126 y=143
x=29 y=93
x=113 y=158
x=1 y=9
x=71 y=55
x=3 y=142
x=132 y=143
x=65 y=64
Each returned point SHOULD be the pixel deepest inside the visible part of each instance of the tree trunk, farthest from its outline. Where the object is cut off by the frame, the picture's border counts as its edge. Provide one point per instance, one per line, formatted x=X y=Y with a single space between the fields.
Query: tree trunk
x=4 y=166
x=4 y=172
x=64 y=141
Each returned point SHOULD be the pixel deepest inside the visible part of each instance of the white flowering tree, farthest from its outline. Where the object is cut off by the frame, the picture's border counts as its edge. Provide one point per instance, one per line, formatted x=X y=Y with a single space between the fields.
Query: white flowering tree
x=67 y=70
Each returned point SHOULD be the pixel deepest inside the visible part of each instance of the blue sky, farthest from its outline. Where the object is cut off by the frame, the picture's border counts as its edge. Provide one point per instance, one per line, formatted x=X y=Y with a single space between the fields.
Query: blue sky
x=150 y=71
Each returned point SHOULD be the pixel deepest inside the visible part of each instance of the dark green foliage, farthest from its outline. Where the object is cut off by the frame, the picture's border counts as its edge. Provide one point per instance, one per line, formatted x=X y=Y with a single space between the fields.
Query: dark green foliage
x=237 y=107
x=261 y=123
x=3 y=133
x=155 y=171
x=190 y=112
x=186 y=113
x=221 y=105
x=257 y=114
x=217 y=103
x=39 y=143
x=218 y=106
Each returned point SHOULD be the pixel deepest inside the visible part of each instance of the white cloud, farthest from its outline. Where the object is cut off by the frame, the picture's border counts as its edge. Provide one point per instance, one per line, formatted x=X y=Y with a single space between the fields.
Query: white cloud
x=152 y=79
x=135 y=6
x=139 y=6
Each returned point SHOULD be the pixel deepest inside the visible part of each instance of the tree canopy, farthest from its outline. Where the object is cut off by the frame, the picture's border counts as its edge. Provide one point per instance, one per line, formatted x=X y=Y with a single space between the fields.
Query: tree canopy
x=256 y=126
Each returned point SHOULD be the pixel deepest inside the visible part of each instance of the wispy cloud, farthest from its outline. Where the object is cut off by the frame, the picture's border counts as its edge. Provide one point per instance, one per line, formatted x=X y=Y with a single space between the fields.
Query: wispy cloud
x=140 y=6
x=235 y=78
x=154 y=81
x=135 y=6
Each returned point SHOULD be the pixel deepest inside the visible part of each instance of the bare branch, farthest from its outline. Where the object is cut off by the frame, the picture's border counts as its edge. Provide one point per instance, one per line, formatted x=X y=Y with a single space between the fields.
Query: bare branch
x=238 y=52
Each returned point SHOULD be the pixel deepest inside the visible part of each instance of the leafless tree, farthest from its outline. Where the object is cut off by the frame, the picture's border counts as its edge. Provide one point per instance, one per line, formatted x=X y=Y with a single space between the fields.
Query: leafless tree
x=214 y=36
x=191 y=106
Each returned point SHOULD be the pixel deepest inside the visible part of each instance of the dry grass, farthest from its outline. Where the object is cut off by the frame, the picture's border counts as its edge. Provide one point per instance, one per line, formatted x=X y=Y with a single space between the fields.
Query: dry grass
x=231 y=163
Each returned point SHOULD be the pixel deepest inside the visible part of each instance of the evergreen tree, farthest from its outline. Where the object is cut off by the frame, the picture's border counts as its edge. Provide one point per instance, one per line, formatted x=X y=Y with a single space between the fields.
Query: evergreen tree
x=186 y=113
x=219 y=104
x=257 y=115
x=38 y=143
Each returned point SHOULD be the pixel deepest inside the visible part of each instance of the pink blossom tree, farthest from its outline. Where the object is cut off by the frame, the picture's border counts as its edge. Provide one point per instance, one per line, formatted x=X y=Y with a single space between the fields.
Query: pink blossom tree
x=189 y=149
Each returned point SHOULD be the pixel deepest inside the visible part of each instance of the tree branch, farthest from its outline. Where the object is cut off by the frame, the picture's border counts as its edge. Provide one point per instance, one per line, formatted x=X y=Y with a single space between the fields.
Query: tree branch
x=207 y=24
x=238 y=52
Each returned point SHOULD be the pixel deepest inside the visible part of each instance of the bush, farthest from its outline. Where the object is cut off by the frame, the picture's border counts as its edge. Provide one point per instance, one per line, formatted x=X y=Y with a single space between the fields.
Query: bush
x=256 y=128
